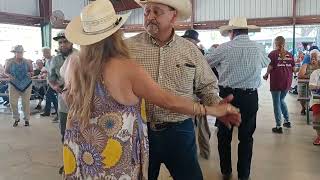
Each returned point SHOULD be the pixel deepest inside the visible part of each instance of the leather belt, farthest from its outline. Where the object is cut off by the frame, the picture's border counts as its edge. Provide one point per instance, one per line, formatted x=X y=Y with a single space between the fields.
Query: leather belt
x=241 y=90
x=163 y=126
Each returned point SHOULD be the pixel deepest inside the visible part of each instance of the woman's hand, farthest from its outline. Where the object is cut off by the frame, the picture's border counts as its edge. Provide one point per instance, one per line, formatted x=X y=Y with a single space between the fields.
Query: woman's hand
x=226 y=113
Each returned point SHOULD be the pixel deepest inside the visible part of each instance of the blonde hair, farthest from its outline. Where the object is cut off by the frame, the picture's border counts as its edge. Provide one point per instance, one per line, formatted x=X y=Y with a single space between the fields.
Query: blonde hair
x=280 y=43
x=84 y=77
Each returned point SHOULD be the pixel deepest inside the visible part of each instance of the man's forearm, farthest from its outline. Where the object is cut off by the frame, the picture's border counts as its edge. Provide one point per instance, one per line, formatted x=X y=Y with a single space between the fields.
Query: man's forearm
x=211 y=99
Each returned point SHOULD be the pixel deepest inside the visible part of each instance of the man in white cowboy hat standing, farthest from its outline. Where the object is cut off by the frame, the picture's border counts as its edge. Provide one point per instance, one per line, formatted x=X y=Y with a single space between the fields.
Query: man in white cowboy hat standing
x=179 y=67
x=239 y=63
x=56 y=80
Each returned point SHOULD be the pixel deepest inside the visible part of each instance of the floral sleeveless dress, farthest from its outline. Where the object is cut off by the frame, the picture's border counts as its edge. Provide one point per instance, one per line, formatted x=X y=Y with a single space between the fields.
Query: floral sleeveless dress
x=114 y=146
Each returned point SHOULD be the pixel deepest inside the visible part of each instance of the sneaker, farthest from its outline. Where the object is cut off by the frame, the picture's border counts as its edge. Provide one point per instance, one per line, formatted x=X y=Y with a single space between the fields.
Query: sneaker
x=26 y=123
x=316 y=142
x=55 y=120
x=287 y=124
x=226 y=176
x=45 y=114
x=16 y=122
x=54 y=113
x=61 y=170
x=38 y=107
x=277 y=130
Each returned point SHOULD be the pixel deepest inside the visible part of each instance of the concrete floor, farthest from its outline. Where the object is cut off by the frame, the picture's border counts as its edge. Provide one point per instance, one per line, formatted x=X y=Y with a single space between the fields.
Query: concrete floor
x=34 y=153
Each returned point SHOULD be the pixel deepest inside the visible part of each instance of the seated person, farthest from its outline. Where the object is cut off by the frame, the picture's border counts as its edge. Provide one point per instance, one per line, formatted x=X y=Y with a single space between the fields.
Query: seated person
x=305 y=72
x=314 y=85
x=306 y=58
x=3 y=86
x=40 y=86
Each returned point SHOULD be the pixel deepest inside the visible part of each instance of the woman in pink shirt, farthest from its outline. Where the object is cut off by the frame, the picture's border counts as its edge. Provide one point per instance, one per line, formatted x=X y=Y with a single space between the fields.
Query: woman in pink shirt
x=280 y=70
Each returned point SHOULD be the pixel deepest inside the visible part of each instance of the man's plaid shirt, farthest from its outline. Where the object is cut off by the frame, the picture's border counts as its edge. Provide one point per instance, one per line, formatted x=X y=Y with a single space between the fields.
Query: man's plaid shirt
x=178 y=67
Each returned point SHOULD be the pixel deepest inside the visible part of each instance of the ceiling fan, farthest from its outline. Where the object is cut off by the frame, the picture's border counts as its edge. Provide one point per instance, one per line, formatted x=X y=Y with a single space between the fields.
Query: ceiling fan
x=57 y=18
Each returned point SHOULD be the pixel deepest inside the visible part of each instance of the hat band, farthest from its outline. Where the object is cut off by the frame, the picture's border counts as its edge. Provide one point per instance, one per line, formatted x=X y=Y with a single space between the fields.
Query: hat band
x=105 y=29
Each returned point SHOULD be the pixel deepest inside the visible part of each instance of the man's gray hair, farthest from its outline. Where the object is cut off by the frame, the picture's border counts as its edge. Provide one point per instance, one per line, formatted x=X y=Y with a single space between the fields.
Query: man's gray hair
x=46 y=48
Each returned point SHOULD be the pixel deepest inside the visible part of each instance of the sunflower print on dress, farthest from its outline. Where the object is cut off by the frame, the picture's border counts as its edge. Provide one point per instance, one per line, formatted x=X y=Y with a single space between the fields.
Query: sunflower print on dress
x=90 y=160
x=111 y=123
x=113 y=144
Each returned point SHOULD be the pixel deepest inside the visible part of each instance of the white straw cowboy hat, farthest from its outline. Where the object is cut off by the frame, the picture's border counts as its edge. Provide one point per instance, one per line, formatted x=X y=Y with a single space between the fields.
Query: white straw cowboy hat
x=183 y=7
x=238 y=23
x=97 y=21
x=17 y=48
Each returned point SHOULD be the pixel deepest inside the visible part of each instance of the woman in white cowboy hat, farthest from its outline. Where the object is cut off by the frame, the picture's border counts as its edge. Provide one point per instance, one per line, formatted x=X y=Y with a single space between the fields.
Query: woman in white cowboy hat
x=106 y=137
x=20 y=71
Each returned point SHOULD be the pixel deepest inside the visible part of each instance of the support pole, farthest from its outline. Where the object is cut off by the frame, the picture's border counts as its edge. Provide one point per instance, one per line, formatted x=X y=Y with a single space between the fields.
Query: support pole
x=294 y=15
x=45 y=9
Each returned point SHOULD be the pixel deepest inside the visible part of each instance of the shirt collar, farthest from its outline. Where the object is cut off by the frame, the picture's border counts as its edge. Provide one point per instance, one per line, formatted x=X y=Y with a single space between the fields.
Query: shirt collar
x=242 y=37
x=169 y=43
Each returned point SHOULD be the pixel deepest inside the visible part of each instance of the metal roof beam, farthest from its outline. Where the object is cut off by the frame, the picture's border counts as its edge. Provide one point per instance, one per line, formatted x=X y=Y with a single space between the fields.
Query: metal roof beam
x=20 y=19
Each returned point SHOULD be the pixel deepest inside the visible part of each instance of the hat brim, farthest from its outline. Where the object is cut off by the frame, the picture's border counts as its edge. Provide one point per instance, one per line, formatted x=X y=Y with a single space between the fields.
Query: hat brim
x=224 y=30
x=58 y=37
x=185 y=36
x=183 y=13
x=18 y=51
x=75 y=34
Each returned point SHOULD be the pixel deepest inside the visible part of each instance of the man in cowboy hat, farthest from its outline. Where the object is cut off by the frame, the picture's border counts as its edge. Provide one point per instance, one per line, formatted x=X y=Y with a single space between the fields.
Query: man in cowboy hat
x=239 y=63
x=56 y=80
x=179 y=67
x=192 y=36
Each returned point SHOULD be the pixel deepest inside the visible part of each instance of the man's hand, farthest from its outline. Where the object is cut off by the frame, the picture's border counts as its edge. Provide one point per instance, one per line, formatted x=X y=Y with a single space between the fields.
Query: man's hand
x=227 y=99
x=265 y=77
x=227 y=119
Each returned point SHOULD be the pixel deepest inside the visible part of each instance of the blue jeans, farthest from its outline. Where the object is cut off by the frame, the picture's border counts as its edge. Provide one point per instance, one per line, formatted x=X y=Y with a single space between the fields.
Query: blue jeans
x=280 y=106
x=176 y=148
x=51 y=97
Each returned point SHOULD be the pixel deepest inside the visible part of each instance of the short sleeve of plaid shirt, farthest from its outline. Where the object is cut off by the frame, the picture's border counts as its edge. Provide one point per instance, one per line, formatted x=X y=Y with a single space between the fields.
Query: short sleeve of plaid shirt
x=178 y=67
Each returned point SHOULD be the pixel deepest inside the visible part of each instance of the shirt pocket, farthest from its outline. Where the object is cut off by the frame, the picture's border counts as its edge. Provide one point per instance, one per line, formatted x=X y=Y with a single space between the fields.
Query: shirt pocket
x=184 y=77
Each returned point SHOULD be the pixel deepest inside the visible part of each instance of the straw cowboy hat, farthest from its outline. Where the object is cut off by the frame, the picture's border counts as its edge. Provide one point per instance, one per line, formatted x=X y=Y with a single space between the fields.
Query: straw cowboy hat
x=97 y=21
x=17 y=48
x=183 y=7
x=238 y=23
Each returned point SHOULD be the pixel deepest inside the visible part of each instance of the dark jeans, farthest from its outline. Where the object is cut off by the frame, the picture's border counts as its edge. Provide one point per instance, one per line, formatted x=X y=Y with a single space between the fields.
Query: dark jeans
x=63 y=122
x=247 y=102
x=176 y=148
x=51 y=97
x=3 y=89
x=39 y=92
